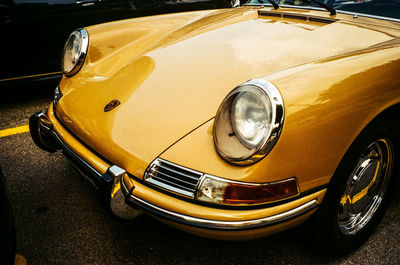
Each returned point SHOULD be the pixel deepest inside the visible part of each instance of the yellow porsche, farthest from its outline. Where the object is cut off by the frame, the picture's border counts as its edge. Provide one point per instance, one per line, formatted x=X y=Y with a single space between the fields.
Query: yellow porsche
x=238 y=123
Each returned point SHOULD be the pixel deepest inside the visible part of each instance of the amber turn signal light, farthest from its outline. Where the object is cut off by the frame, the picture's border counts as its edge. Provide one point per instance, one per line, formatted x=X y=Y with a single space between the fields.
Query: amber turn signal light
x=218 y=190
x=258 y=194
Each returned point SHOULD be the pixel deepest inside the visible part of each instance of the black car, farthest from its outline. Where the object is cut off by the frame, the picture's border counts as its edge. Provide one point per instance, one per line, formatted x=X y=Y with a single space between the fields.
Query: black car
x=34 y=31
x=7 y=231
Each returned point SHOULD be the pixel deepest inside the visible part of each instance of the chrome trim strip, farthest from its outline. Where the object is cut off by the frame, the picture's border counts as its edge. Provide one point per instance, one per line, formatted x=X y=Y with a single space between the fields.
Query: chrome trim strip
x=180 y=186
x=257 y=184
x=72 y=153
x=177 y=172
x=170 y=188
x=124 y=188
x=116 y=171
x=82 y=53
x=69 y=151
x=181 y=167
x=179 y=181
x=222 y=225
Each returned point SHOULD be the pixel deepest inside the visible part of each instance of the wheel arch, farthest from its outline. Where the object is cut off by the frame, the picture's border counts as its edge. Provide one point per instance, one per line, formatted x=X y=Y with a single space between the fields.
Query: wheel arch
x=390 y=113
x=323 y=225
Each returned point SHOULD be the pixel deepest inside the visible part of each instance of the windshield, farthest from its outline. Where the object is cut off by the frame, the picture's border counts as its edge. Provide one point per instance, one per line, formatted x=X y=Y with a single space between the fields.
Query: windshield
x=383 y=8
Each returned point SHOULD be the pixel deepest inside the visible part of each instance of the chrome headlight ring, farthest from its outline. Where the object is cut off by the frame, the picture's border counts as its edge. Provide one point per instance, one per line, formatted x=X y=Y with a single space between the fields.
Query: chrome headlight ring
x=261 y=103
x=74 y=53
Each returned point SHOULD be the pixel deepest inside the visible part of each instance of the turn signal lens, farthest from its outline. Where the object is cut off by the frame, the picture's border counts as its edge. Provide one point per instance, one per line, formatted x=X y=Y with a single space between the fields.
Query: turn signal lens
x=212 y=190
x=217 y=190
x=256 y=194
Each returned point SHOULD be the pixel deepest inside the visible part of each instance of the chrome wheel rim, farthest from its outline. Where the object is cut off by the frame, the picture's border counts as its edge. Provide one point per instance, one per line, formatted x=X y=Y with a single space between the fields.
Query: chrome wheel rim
x=366 y=187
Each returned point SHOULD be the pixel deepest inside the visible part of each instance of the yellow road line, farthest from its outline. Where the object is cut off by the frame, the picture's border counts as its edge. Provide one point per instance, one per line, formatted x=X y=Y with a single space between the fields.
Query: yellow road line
x=19 y=260
x=16 y=130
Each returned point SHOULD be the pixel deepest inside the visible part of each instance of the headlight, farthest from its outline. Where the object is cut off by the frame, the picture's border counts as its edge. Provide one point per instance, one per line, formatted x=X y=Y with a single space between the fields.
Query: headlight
x=218 y=190
x=249 y=122
x=75 y=50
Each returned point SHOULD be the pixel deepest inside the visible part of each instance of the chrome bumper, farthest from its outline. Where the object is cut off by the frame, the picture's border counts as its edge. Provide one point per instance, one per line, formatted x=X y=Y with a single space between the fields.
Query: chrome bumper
x=43 y=135
x=137 y=202
x=120 y=197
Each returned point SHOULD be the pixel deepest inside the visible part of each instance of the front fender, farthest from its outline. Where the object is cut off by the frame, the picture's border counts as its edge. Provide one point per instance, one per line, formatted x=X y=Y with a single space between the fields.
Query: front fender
x=327 y=104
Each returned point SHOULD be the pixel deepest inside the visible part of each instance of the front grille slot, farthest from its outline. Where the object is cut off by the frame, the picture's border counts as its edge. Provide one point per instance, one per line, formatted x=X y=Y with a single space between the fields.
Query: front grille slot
x=270 y=14
x=173 y=181
x=186 y=174
x=172 y=177
x=321 y=20
x=307 y=18
x=292 y=16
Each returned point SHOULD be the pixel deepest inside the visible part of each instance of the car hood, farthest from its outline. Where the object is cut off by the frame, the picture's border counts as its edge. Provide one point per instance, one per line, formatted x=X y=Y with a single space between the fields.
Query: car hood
x=170 y=73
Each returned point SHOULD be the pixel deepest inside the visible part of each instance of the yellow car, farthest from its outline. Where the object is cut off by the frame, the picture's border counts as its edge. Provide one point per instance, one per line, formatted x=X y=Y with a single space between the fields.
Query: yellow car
x=237 y=123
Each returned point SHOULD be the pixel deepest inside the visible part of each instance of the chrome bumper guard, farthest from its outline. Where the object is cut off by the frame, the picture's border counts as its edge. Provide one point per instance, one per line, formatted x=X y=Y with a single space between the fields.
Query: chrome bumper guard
x=126 y=205
x=43 y=135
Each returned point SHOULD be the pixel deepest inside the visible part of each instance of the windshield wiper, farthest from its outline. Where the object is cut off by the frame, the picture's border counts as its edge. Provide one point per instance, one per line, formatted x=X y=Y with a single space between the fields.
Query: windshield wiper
x=272 y=2
x=318 y=2
x=327 y=7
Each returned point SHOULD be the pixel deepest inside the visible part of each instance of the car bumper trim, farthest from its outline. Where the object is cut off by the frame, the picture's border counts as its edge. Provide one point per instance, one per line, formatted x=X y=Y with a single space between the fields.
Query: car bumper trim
x=137 y=202
x=45 y=137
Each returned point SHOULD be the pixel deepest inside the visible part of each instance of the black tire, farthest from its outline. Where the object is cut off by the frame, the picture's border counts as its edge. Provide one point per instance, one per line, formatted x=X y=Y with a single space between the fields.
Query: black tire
x=7 y=229
x=338 y=227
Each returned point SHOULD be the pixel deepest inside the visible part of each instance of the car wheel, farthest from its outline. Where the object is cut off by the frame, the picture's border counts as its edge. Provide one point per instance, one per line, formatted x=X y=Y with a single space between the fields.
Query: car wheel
x=359 y=191
x=7 y=229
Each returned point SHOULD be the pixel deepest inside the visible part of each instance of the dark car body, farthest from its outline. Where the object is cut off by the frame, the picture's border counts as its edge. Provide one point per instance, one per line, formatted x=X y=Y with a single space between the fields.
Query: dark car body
x=34 y=31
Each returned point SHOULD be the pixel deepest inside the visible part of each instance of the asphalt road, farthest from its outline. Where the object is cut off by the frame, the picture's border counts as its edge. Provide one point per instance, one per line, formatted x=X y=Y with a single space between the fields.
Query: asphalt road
x=60 y=220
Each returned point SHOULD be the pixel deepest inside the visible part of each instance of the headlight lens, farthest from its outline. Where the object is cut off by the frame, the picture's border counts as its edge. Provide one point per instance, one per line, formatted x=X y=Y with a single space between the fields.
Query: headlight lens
x=75 y=50
x=251 y=116
x=217 y=190
x=249 y=122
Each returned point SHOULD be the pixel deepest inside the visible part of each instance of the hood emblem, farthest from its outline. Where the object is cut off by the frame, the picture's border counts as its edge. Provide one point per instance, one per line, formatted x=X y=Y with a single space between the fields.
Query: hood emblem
x=112 y=105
